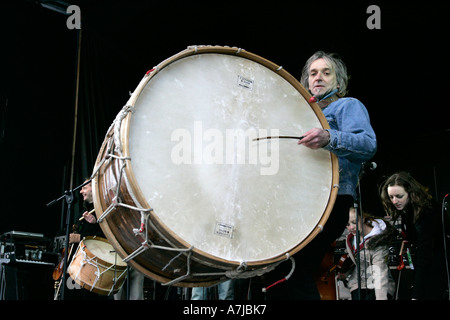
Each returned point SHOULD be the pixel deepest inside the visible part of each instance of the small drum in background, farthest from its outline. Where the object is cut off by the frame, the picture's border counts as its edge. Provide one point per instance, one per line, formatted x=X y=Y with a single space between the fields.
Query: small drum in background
x=97 y=267
x=185 y=190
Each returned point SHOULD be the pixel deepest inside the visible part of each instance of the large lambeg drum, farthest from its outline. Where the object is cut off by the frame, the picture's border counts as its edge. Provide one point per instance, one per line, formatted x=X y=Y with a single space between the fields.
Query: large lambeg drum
x=185 y=192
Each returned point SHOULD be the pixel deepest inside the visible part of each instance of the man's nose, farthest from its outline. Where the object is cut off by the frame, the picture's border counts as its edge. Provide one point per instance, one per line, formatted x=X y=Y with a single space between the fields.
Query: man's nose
x=318 y=77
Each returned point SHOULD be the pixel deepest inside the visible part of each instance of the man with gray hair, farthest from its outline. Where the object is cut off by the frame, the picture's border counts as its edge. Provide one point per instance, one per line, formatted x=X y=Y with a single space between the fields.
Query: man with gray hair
x=353 y=140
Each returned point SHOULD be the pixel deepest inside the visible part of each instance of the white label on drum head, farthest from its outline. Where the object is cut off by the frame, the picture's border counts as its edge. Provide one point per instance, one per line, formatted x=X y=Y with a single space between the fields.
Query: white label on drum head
x=224 y=230
x=245 y=83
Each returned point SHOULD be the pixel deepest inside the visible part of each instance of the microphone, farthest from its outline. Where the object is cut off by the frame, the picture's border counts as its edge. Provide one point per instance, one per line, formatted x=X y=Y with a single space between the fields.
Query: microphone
x=369 y=165
x=312 y=99
x=315 y=98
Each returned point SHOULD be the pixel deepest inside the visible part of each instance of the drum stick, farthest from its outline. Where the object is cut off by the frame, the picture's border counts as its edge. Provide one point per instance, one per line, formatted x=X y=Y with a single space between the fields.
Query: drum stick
x=279 y=137
x=90 y=212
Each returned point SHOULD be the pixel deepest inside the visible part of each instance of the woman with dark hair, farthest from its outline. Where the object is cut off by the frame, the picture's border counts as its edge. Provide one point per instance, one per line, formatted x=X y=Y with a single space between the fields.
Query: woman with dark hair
x=406 y=199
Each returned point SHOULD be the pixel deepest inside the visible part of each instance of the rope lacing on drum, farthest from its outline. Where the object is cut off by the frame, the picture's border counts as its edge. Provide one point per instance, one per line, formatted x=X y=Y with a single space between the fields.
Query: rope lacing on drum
x=148 y=244
x=115 y=126
x=86 y=260
x=110 y=154
x=115 y=201
x=240 y=272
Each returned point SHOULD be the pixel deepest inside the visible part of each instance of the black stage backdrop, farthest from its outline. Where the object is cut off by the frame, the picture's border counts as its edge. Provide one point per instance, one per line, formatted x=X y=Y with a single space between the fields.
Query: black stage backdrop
x=399 y=72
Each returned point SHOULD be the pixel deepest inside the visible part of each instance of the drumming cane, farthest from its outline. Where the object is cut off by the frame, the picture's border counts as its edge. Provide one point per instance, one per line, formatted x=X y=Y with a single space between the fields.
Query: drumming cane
x=90 y=212
x=278 y=137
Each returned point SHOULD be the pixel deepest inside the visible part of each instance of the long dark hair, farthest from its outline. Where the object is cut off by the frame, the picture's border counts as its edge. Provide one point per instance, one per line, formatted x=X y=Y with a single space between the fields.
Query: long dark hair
x=419 y=197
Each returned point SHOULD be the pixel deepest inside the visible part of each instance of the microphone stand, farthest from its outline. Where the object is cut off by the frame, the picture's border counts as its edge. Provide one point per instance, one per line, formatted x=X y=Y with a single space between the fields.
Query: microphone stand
x=357 y=258
x=68 y=197
x=359 y=217
x=444 y=234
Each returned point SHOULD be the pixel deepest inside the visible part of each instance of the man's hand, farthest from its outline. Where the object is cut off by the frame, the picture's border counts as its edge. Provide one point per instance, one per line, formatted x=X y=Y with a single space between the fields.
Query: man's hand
x=89 y=217
x=74 y=238
x=315 y=138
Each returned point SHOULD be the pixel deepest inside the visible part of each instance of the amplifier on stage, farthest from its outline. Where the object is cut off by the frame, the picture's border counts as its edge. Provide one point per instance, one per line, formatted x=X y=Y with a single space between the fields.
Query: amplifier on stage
x=26 y=247
x=25 y=266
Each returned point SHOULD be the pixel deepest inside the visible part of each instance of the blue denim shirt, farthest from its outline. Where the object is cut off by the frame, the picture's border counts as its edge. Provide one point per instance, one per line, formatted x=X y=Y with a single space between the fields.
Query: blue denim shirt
x=352 y=139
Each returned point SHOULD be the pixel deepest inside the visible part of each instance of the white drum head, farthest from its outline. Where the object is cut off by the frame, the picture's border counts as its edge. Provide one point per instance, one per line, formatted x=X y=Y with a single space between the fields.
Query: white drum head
x=104 y=251
x=196 y=164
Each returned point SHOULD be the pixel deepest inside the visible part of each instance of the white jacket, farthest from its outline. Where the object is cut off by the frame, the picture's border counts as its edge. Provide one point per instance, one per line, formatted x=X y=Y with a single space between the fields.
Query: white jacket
x=374 y=269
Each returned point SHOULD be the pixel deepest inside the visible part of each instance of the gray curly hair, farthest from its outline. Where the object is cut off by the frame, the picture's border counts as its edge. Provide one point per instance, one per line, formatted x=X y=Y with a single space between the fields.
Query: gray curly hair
x=337 y=65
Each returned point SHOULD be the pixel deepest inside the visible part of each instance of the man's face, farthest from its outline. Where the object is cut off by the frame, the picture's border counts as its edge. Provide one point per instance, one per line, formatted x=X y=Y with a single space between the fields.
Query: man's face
x=322 y=78
x=86 y=192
